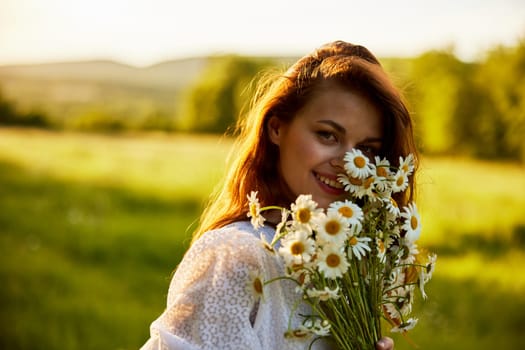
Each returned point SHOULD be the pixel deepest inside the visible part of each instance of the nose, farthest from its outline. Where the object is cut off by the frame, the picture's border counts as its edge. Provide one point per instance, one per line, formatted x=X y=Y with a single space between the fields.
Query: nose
x=338 y=162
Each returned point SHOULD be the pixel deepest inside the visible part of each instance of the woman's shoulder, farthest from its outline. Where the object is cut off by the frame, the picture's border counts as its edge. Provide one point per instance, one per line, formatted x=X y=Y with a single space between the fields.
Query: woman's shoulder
x=235 y=234
x=233 y=250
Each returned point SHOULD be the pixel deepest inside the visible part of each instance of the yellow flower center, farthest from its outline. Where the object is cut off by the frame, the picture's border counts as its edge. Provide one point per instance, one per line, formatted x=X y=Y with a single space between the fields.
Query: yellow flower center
x=253 y=210
x=297 y=248
x=299 y=333
x=332 y=227
x=355 y=181
x=257 y=285
x=333 y=260
x=304 y=215
x=405 y=168
x=353 y=240
x=381 y=171
x=413 y=222
x=359 y=162
x=347 y=212
x=368 y=182
x=380 y=246
x=400 y=180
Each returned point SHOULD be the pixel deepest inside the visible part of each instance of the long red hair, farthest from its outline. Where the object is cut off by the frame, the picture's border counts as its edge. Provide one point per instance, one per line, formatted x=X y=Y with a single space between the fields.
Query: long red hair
x=254 y=159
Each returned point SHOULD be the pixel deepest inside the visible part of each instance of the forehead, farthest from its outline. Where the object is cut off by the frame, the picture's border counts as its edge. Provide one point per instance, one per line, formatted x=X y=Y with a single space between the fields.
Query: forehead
x=347 y=107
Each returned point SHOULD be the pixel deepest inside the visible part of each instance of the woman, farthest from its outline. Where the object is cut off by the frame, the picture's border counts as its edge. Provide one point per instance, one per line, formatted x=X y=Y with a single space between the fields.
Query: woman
x=292 y=142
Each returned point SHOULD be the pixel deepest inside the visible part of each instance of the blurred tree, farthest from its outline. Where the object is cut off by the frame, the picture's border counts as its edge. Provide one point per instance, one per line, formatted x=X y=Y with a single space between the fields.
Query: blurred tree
x=214 y=101
x=440 y=85
x=10 y=116
x=96 y=118
x=501 y=77
x=7 y=113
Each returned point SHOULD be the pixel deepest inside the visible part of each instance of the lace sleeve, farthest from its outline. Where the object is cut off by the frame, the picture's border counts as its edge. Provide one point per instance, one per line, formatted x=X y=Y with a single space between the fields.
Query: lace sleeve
x=210 y=300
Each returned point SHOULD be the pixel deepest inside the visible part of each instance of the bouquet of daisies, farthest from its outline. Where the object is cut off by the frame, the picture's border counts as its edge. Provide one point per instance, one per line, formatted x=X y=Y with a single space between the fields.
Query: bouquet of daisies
x=356 y=262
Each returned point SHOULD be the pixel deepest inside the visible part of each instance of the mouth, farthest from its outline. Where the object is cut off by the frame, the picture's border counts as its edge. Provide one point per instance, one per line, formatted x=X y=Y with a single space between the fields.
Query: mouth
x=330 y=185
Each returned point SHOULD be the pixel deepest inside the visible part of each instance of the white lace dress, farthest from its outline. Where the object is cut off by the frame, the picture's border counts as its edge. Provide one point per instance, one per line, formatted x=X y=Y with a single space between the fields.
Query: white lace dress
x=211 y=303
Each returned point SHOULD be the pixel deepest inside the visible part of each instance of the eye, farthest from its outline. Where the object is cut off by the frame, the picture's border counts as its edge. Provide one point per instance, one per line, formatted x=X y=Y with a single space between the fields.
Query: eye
x=369 y=151
x=327 y=136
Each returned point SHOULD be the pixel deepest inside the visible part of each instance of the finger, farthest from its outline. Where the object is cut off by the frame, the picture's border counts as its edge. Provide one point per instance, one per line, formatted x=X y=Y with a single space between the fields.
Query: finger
x=385 y=343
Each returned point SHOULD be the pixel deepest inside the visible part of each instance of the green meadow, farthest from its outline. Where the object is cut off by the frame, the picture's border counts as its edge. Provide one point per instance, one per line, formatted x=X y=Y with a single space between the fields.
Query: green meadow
x=93 y=226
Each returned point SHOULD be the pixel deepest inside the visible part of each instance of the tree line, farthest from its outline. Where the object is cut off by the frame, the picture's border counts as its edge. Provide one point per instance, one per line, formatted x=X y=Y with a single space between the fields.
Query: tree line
x=460 y=108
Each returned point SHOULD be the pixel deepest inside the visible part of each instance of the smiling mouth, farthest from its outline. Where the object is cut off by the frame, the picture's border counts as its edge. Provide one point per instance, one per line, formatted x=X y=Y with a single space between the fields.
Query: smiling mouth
x=329 y=182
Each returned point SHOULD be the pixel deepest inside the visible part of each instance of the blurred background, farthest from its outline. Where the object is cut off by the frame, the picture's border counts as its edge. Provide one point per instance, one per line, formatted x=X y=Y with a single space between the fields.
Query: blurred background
x=112 y=115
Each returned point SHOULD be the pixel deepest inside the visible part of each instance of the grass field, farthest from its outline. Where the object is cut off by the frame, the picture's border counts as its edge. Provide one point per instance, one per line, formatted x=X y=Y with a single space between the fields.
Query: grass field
x=91 y=228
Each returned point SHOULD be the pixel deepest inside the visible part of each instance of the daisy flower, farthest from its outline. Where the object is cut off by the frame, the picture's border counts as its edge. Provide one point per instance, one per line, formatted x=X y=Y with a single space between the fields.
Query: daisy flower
x=323 y=294
x=304 y=210
x=356 y=228
x=399 y=300
x=421 y=285
x=254 y=211
x=400 y=181
x=297 y=247
x=357 y=164
x=349 y=210
x=300 y=333
x=368 y=188
x=266 y=245
x=322 y=328
x=409 y=251
x=301 y=274
x=318 y=327
x=284 y=220
x=332 y=227
x=406 y=165
x=331 y=262
x=383 y=188
x=255 y=284
x=381 y=249
x=396 y=278
x=391 y=313
x=412 y=222
x=397 y=303
x=359 y=246
x=351 y=184
x=426 y=273
x=382 y=167
x=430 y=267
x=359 y=187
x=405 y=326
x=391 y=206
x=365 y=233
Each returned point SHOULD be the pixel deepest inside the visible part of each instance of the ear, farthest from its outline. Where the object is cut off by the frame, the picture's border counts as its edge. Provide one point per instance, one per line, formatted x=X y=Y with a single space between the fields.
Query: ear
x=274 y=128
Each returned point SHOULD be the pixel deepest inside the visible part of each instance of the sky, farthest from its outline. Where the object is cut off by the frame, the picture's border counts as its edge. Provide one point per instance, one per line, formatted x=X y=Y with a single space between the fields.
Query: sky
x=145 y=32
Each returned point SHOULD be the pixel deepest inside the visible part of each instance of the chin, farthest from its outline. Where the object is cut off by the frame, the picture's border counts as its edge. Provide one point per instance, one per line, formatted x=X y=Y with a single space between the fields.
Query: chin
x=323 y=202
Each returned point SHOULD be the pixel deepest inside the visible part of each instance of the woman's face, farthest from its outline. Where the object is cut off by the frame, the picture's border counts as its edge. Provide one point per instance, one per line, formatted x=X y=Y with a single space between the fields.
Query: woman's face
x=313 y=144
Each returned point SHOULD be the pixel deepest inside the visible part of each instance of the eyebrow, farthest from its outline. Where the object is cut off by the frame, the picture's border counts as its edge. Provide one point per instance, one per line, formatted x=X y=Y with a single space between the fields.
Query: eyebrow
x=342 y=130
x=334 y=125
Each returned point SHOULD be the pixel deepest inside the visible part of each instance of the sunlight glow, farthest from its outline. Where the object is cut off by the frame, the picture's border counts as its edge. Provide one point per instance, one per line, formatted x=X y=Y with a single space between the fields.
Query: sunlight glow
x=144 y=32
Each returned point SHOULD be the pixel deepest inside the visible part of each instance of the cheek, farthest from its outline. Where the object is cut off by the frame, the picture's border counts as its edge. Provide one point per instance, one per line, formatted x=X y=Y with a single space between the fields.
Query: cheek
x=299 y=149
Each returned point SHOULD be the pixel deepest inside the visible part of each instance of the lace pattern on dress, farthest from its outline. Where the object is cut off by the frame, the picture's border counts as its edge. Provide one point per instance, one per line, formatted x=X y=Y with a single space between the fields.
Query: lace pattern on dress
x=211 y=304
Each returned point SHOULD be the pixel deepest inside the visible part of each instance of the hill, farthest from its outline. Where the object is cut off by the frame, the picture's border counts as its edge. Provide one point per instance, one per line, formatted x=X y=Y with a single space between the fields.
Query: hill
x=106 y=95
x=72 y=94
x=175 y=73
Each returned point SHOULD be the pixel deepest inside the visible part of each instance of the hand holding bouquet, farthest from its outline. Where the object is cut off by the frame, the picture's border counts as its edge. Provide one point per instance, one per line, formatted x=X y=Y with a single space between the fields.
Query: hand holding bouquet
x=356 y=262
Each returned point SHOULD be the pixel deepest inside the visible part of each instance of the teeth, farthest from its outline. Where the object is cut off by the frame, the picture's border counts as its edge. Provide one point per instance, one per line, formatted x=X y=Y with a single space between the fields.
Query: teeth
x=329 y=182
